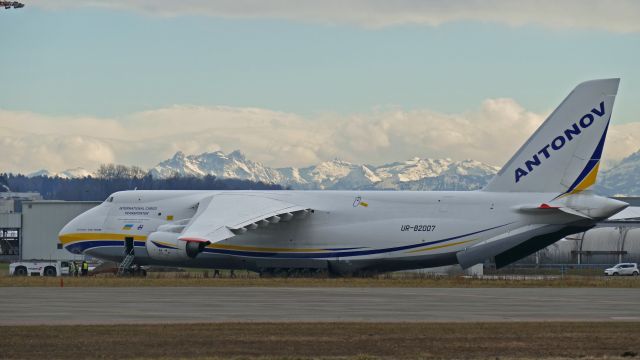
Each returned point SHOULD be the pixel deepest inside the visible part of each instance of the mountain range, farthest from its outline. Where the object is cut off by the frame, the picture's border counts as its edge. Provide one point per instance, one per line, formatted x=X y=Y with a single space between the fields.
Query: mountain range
x=413 y=174
x=622 y=179
x=67 y=174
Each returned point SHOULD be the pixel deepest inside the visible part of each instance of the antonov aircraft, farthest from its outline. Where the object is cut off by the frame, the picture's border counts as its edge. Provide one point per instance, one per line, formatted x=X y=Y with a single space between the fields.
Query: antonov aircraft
x=540 y=196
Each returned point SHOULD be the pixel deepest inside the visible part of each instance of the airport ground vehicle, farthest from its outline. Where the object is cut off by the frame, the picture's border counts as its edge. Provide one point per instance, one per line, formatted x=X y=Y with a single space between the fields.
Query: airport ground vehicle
x=39 y=268
x=623 y=269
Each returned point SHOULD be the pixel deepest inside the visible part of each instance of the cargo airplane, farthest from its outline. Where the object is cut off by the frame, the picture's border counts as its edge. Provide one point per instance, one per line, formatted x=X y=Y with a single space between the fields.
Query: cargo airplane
x=540 y=196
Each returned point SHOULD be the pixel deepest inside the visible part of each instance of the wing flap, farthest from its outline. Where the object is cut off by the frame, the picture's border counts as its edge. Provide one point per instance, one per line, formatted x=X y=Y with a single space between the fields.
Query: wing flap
x=223 y=216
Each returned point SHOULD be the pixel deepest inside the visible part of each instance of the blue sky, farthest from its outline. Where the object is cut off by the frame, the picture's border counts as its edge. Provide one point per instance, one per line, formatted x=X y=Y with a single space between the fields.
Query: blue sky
x=110 y=62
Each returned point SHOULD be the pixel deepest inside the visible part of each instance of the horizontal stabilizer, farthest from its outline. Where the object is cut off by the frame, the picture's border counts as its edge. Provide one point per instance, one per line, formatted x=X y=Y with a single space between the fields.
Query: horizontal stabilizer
x=546 y=209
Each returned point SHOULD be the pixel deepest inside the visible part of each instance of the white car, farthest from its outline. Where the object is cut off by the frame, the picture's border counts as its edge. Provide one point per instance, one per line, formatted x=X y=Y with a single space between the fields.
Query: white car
x=623 y=269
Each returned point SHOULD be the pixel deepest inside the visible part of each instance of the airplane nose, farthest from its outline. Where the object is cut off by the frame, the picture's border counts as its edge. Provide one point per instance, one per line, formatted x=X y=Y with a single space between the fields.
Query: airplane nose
x=89 y=221
x=64 y=231
x=70 y=233
x=66 y=234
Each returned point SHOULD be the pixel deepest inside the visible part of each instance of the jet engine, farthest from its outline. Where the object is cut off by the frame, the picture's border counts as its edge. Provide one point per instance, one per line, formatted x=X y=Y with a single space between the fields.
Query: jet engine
x=164 y=245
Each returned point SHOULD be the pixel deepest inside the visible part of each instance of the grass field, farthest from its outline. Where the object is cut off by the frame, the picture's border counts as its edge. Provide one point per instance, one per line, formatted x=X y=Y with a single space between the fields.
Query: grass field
x=326 y=340
x=392 y=280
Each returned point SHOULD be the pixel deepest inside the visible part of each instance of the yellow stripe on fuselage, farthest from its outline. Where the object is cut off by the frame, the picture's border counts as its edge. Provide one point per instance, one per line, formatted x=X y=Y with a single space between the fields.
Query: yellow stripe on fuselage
x=78 y=237
x=441 y=246
x=75 y=237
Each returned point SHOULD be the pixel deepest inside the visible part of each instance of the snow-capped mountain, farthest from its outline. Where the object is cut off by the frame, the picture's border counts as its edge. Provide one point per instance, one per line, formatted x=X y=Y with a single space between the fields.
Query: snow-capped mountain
x=622 y=179
x=42 y=172
x=413 y=174
x=67 y=174
x=417 y=173
x=434 y=174
x=77 y=173
x=219 y=164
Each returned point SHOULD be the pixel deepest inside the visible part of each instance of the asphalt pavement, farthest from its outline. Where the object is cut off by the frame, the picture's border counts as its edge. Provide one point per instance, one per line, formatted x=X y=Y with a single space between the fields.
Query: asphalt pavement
x=48 y=305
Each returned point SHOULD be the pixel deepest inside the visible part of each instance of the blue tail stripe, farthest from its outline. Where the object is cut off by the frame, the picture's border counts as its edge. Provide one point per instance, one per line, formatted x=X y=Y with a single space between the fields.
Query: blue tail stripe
x=593 y=161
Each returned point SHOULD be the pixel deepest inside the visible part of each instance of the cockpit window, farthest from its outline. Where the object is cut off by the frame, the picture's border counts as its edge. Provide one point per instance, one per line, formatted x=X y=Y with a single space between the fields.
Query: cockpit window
x=110 y=199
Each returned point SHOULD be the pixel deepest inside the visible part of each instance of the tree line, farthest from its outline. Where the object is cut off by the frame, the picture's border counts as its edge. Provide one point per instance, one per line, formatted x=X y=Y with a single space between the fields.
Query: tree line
x=111 y=178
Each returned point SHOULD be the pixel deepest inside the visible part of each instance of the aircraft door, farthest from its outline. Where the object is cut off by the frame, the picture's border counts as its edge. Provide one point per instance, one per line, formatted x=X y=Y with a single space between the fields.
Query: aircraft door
x=128 y=245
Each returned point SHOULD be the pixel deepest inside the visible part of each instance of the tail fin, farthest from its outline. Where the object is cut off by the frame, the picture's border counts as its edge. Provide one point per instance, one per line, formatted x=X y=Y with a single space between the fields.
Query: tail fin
x=563 y=155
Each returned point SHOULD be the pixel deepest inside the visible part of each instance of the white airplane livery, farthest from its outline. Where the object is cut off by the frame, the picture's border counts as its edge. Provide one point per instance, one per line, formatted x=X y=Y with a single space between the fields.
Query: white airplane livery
x=539 y=196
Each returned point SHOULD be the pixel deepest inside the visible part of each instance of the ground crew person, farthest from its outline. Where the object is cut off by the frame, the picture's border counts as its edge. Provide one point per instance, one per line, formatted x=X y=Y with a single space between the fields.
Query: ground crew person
x=72 y=268
x=85 y=268
x=76 y=269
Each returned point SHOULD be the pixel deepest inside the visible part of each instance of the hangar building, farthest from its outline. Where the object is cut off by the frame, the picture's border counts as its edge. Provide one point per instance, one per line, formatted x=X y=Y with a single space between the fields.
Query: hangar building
x=11 y=221
x=32 y=234
x=41 y=223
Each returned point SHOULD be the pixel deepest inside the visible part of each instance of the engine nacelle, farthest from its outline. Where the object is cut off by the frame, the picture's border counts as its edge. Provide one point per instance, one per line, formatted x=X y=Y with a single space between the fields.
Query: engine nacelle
x=164 y=245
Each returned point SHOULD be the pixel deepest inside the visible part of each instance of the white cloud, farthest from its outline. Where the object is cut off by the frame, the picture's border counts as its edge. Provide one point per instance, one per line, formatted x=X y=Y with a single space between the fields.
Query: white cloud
x=491 y=133
x=615 y=15
x=30 y=152
x=622 y=140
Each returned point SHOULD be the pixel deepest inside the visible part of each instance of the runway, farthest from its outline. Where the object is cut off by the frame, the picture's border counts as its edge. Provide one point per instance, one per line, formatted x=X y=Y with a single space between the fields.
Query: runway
x=46 y=305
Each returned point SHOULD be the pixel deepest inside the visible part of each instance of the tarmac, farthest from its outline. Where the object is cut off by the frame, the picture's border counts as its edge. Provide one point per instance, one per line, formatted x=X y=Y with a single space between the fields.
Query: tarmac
x=46 y=305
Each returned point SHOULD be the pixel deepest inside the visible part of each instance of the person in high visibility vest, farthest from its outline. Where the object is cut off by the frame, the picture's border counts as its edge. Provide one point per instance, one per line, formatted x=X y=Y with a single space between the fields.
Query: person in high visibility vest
x=85 y=268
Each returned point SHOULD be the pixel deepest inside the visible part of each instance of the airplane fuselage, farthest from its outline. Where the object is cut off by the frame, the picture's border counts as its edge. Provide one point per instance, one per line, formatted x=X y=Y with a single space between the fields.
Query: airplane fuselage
x=346 y=231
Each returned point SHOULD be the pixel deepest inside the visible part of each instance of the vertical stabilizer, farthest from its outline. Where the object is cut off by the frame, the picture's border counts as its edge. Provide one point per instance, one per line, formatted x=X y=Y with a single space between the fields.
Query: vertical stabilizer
x=563 y=155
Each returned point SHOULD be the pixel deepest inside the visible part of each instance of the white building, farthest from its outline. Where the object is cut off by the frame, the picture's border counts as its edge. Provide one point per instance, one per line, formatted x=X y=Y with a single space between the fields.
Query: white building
x=42 y=221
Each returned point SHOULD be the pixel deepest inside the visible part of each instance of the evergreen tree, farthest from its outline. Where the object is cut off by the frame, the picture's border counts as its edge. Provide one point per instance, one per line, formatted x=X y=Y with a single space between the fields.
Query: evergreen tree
x=111 y=178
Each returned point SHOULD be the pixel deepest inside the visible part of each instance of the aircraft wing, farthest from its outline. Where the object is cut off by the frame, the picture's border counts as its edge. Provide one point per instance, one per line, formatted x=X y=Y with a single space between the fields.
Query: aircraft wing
x=223 y=216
